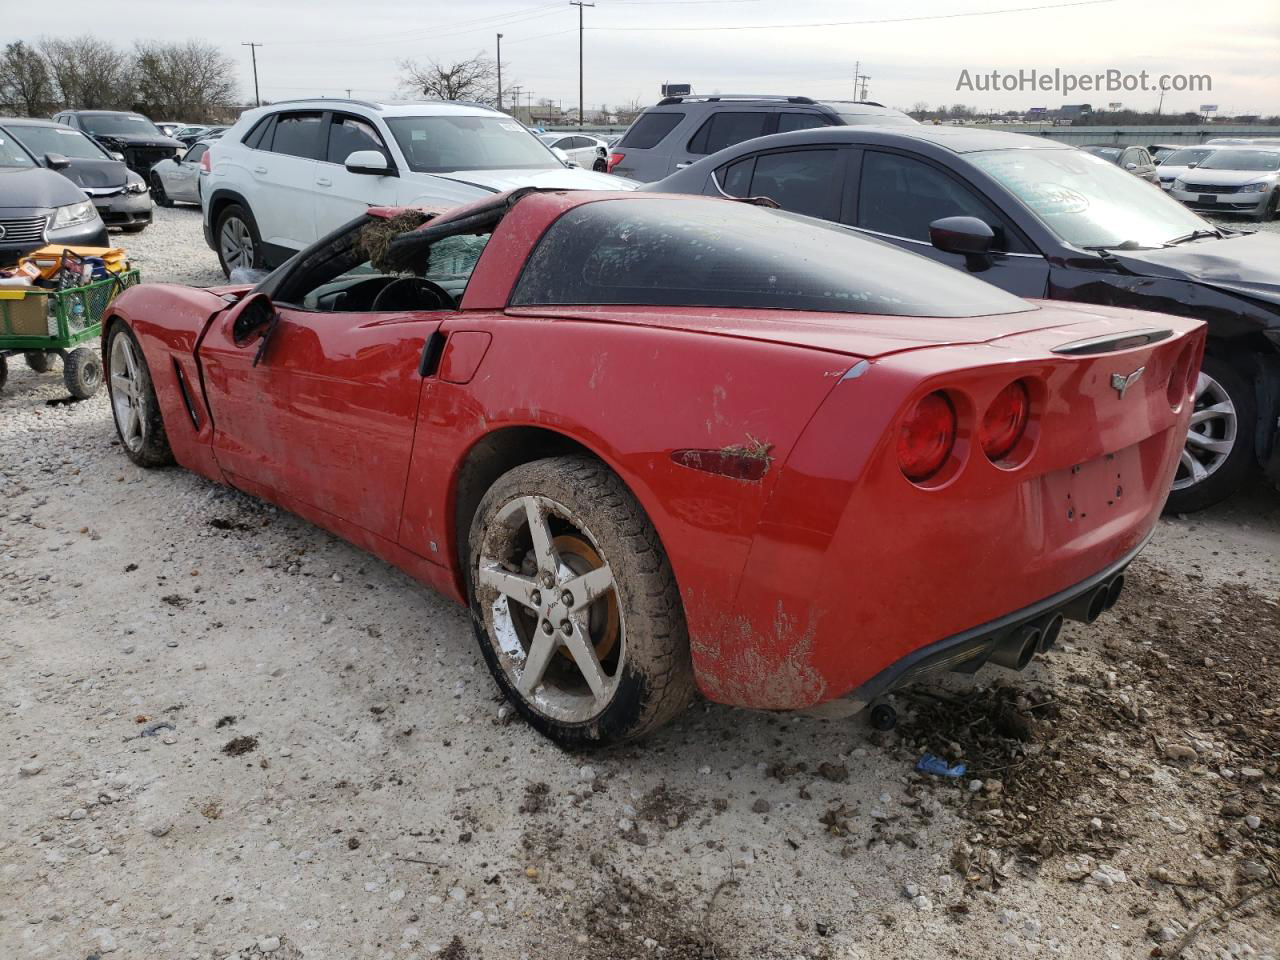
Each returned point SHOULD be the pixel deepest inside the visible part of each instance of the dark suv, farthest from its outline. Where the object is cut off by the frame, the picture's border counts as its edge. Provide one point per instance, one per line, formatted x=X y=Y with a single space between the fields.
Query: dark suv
x=681 y=130
x=138 y=141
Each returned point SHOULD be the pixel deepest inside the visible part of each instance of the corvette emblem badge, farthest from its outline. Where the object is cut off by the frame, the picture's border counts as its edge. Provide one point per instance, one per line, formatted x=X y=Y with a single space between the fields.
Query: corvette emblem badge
x=1121 y=383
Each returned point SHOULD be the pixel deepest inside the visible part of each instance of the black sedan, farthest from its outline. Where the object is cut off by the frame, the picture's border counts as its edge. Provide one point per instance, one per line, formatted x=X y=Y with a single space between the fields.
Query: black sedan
x=119 y=193
x=1042 y=219
x=39 y=207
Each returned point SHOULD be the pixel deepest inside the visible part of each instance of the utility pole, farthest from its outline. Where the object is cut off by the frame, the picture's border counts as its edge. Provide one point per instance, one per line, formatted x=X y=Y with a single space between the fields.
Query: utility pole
x=253 y=51
x=515 y=92
x=499 y=71
x=865 y=78
x=581 y=103
x=1160 y=105
x=857 y=75
x=348 y=93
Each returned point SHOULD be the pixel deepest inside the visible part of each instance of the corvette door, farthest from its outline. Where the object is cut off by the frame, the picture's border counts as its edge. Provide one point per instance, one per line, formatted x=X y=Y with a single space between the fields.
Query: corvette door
x=327 y=415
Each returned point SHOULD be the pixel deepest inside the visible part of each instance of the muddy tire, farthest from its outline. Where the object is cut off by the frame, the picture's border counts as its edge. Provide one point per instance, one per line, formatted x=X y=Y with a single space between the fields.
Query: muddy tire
x=82 y=373
x=37 y=360
x=132 y=394
x=575 y=605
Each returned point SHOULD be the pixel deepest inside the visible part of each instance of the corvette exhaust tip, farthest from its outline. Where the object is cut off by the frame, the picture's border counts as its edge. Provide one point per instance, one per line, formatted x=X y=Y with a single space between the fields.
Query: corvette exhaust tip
x=1049 y=633
x=1090 y=606
x=1018 y=649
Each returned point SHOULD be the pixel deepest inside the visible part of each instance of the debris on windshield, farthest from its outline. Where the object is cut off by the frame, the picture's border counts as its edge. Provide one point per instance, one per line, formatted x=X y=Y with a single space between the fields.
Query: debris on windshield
x=376 y=237
x=934 y=764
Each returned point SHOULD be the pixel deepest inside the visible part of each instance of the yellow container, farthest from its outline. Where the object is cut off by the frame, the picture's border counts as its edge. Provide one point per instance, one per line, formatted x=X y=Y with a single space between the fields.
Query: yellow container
x=49 y=259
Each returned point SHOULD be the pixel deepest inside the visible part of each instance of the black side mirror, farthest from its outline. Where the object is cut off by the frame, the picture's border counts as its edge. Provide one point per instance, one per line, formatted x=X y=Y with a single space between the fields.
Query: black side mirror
x=969 y=236
x=251 y=316
x=56 y=161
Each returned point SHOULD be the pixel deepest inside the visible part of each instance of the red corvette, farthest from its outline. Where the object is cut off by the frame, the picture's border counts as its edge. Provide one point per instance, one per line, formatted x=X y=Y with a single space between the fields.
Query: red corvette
x=657 y=442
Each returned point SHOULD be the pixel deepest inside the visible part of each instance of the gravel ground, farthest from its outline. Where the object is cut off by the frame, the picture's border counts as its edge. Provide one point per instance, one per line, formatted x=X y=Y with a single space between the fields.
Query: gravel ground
x=228 y=734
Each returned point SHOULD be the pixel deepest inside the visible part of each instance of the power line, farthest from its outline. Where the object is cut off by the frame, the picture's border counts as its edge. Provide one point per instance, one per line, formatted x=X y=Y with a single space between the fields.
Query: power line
x=870 y=22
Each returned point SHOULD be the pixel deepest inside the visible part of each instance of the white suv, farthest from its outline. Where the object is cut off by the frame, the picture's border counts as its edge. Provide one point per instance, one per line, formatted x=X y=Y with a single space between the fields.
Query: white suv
x=287 y=174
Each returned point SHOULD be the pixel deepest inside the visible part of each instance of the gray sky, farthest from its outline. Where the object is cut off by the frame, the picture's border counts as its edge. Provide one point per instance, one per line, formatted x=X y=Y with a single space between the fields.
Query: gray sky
x=314 y=47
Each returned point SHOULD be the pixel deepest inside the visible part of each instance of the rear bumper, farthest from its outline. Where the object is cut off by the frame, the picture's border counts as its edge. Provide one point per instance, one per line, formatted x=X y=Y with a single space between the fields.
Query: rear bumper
x=970 y=649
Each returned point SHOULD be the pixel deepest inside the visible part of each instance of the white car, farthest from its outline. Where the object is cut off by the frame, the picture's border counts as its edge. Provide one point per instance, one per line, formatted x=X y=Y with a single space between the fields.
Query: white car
x=590 y=153
x=178 y=180
x=289 y=173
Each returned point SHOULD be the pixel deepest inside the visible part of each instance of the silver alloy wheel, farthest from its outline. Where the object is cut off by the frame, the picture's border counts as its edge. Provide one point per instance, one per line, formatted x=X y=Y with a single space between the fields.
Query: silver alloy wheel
x=236 y=243
x=127 y=397
x=552 y=610
x=1210 y=437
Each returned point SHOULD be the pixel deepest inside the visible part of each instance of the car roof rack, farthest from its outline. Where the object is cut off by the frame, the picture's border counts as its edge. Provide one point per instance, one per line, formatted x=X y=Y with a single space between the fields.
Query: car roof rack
x=733 y=97
x=362 y=103
x=865 y=103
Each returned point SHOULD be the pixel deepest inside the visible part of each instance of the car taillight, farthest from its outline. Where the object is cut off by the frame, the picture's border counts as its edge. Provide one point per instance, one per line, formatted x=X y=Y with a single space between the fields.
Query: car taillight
x=926 y=437
x=1182 y=380
x=1005 y=421
x=614 y=160
x=206 y=163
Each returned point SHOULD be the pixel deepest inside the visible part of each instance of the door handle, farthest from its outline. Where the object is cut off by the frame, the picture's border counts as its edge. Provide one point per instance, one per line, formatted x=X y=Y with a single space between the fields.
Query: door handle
x=683 y=164
x=259 y=169
x=324 y=182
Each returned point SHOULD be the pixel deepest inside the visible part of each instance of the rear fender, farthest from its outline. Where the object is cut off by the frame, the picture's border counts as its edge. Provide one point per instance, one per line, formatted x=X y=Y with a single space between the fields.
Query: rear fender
x=169 y=321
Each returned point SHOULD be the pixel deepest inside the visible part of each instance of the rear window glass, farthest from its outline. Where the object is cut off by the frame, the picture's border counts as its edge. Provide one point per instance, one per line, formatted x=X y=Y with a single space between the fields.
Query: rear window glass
x=725 y=129
x=719 y=253
x=298 y=135
x=650 y=129
x=259 y=137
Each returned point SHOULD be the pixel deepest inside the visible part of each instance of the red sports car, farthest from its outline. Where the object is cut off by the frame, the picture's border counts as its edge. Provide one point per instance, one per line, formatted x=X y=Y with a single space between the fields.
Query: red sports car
x=666 y=442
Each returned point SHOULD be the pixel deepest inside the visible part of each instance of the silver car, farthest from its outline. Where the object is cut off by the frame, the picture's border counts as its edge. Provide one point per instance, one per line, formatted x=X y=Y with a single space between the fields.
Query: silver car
x=1242 y=180
x=588 y=152
x=1175 y=164
x=178 y=180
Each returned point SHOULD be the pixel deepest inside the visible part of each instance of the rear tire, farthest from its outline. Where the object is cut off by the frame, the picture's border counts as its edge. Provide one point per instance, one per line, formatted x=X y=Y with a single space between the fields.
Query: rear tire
x=134 y=407
x=1226 y=417
x=82 y=373
x=237 y=240
x=615 y=666
x=1268 y=212
x=37 y=360
x=158 y=192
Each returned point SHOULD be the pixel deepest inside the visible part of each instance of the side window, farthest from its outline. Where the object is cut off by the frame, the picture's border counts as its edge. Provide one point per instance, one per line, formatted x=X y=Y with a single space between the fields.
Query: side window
x=901 y=197
x=727 y=128
x=297 y=135
x=1144 y=158
x=347 y=134
x=195 y=153
x=735 y=179
x=649 y=130
x=800 y=121
x=1129 y=156
x=802 y=181
x=259 y=137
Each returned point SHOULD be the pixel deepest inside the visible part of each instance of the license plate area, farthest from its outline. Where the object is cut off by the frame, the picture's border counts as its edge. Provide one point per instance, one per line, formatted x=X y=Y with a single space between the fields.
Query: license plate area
x=1208 y=198
x=1090 y=494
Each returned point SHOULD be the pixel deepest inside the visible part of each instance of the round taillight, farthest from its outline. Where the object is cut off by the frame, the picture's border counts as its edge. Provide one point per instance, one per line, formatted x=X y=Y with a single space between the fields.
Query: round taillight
x=926 y=437
x=1005 y=421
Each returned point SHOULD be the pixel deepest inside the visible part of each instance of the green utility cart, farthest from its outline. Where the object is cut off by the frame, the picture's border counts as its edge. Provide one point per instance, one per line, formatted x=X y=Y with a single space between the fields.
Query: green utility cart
x=41 y=323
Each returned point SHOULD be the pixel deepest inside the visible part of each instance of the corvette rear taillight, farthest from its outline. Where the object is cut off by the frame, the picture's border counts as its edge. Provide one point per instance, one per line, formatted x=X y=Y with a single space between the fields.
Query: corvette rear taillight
x=1005 y=421
x=614 y=160
x=926 y=437
x=1182 y=380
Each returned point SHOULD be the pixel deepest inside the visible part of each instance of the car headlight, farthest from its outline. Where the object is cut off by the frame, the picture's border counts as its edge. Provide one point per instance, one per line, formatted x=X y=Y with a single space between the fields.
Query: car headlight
x=136 y=186
x=73 y=214
x=1179 y=185
x=1254 y=188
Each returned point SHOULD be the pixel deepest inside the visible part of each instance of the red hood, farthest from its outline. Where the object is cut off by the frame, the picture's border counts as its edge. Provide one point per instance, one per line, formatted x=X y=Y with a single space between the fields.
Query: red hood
x=870 y=335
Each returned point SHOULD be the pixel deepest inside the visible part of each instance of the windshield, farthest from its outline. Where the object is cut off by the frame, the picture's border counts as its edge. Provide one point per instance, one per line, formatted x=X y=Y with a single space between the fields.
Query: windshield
x=1087 y=201
x=1182 y=158
x=445 y=144
x=718 y=253
x=119 y=124
x=69 y=143
x=1262 y=160
x=12 y=155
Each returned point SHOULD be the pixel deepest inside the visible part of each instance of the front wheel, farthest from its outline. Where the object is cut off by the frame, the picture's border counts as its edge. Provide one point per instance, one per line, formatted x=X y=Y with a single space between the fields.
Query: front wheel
x=1220 y=441
x=158 y=193
x=575 y=605
x=133 y=400
x=82 y=373
x=1268 y=211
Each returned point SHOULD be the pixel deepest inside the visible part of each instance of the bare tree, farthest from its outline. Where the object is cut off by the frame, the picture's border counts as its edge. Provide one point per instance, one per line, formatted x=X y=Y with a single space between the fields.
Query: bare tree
x=193 y=80
x=475 y=79
x=24 y=80
x=88 y=73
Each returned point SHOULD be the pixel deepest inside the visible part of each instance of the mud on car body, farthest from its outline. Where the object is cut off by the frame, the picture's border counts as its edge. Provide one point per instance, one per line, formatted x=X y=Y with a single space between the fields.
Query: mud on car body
x=660 y=442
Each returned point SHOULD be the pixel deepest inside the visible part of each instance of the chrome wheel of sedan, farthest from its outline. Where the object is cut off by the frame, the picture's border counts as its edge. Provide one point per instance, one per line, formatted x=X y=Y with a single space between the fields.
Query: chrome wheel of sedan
x=128 y=397
x=552 y=606
x=1211 y=436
